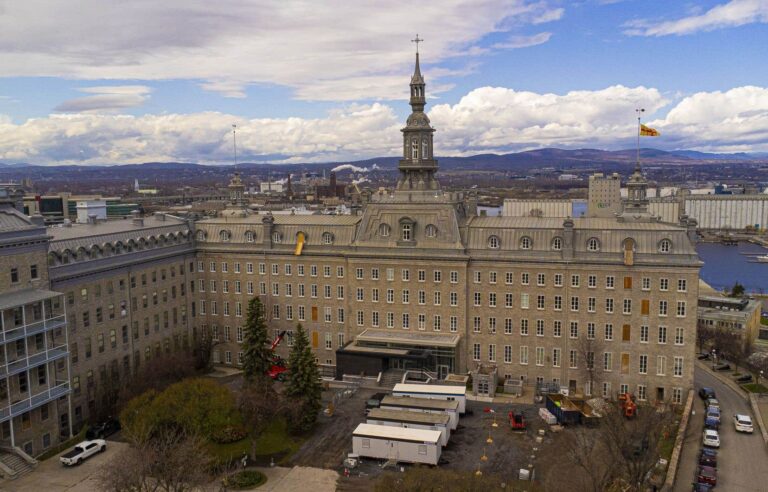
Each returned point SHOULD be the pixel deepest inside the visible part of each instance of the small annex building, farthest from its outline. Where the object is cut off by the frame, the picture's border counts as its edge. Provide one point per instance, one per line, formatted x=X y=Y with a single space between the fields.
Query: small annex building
x=397 y=444
x=412 y=420
x=433 y=392
x=424 y=405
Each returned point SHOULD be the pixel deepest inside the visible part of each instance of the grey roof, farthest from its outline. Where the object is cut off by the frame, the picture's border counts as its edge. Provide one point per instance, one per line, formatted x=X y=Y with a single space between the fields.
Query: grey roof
x=593 y=223
x=423 y=403
x=20 y=297
x=11 y=219
x=111 y=231
x=421 y=339
x=407 y=416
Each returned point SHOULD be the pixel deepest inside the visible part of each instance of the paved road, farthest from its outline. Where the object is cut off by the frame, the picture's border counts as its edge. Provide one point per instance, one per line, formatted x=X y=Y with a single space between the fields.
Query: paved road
x=742 y=462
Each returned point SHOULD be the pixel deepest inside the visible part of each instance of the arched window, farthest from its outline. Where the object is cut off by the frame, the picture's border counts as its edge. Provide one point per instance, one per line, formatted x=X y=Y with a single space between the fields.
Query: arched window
x=249 y=236
x=407 y=230
x=415 y=148
x=276 y=237
x=384 y=230
x=430 y=230
x=557 y=244
x=593 y=244
x=494 y=242
x=424 y=149
x=526 y=242
x=200 y=236
x=665 y=246
x=327 y=238
x=224 y=235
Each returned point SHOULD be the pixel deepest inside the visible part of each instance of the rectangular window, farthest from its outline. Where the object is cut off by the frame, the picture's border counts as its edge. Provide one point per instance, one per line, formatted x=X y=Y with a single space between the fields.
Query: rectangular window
x=555 y=357
x=574 y=332
x=405 y=275
x=574 y=303
x=663 y=308
x=539 y=356
x=492 y=352
x=454 y=324
x=682 y=285
x=524 y=301
x=592 y=281
x=539 y=328
x=626 y=333
x=643 y=366
x=681 y=309
x=558 y=280
x=607 y=361
x=679 y=336
x=627 y=282
x=625 y=363
x=575 y=279
x=524 y=327
x=454 y=277
x=476 y=351
x=661 y=365
x=609 y=305
x=678 y=368
x=507 y=326
x=608 y=331
x=509 y=278
x=662 y=334
x=664 y=284
x=627 y=306
x=508 y=300
x=374 y=274
x=557 y=328
x=646 y=285
x=540 y=279
x=644 y=334
x=523 y=355
x=507 y=354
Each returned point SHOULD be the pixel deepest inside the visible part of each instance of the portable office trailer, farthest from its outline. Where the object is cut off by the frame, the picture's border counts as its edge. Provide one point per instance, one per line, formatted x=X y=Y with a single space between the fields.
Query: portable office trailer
x=413 y=404
x=397 y=443
x=433 y=392
x=412 y=420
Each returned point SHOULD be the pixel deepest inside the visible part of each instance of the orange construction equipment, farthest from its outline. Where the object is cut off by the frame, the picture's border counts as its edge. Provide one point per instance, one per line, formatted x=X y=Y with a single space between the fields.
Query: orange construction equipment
x=516 y=421
x=628 y=405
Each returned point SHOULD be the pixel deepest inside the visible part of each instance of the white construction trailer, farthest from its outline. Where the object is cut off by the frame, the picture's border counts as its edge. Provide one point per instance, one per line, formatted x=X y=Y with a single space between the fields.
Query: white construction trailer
x=434 y=392
x=397 y=444
x=424 y=405
x=412 y=420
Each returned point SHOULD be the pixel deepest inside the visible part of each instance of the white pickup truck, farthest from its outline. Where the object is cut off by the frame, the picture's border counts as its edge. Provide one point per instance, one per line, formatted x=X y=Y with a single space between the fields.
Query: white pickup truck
x=83 y=451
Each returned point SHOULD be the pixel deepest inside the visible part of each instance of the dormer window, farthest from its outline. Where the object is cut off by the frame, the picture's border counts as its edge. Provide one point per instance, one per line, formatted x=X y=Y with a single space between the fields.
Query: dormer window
x=430 y=230
x=593 y=244
x=201 y=235
x=384 y=230
x=224 y=235
x=407 y=230
x=327 y=238
x=665 y=246
x=415 y=148
x=494 y=242
x=424 y=149
x=557 y=244
x=526 y=242
x=276 y=237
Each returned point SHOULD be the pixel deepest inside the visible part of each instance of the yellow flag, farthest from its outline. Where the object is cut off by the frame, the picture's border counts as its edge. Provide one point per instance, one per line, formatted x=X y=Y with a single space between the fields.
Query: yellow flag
x=647 y=131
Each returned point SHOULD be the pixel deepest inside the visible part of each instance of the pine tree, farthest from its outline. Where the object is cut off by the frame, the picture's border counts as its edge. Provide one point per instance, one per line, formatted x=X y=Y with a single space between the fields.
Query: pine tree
x=303 y=387
x=256 y=352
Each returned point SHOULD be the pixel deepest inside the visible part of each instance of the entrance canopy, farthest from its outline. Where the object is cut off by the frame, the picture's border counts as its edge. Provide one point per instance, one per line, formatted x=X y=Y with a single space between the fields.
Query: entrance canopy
x=407 y=338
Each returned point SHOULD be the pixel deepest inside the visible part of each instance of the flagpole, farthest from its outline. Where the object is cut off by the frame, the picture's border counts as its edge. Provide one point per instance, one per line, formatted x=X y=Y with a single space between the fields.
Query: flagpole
x=639 y=112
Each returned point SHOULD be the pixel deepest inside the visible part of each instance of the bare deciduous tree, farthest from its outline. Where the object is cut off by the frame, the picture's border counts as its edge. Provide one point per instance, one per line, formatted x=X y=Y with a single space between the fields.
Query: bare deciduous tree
x=171 y=461
x=587 y=451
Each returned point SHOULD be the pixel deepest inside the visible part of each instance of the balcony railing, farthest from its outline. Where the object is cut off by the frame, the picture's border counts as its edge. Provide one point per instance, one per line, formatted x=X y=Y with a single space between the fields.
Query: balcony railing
x=33 y=360
x=32 y=329
x=34 y=401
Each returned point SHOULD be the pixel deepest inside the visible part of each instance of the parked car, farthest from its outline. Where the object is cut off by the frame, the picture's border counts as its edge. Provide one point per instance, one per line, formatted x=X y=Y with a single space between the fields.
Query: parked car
x=743 y=423
x=708 y=452
x=706 y=393
x=713 y=412
x=103 y=429
x=744 y=379
x=711 y=438
x=82 y=452
x=723 y=367
x=708 y=460
x=707 y=474
x=711 y=423
x=712 y=402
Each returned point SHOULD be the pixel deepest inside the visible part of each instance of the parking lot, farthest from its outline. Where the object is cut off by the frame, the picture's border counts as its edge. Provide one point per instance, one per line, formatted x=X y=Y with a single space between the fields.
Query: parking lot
x=51 y=476
x=508 y=452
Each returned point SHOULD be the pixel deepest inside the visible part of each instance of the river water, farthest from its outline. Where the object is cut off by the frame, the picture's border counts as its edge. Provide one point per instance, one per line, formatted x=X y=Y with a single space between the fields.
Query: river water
x=726 y=265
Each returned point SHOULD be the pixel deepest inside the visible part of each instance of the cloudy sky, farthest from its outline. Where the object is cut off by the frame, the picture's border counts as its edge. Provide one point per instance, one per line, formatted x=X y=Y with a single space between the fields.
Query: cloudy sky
x=107 y=81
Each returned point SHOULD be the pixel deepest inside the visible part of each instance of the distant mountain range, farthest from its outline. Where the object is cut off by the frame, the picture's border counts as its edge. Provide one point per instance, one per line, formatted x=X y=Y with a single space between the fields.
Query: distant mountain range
x=532 y=158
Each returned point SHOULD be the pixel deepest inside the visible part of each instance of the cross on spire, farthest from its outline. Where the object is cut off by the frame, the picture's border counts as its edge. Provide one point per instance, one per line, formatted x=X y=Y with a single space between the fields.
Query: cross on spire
x=417 y=41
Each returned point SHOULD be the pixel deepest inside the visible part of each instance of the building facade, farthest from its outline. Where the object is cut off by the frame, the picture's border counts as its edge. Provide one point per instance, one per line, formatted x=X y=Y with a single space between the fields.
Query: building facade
x=598 y=305
x=604 y=195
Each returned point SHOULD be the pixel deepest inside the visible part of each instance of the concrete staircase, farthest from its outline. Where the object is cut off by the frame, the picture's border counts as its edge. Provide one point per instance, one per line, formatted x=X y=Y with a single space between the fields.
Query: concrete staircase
x=14 y=466
x=391 y=377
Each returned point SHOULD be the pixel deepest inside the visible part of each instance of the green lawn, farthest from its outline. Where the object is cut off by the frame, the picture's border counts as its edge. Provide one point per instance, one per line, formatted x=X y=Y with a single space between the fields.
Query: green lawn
x=230 y=451
x=755 y=388
x=276 y=440
x=763 y=320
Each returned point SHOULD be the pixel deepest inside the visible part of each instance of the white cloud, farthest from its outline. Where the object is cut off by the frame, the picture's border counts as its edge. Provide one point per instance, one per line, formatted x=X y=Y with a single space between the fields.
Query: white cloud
x=731 y=14
x=487 y=119
x=106 y=99
x=318 y=49
x=515 y=42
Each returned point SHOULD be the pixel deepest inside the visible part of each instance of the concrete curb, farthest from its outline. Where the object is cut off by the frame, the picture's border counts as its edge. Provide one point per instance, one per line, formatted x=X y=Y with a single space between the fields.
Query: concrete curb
x=674 y=460
x=758 y=417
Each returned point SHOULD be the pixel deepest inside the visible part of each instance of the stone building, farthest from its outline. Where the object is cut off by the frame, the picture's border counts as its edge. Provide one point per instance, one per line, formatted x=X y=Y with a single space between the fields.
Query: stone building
x=604 y=195
x=34 y=373
x=418 y=280
x=125 y=285
x=739 y=317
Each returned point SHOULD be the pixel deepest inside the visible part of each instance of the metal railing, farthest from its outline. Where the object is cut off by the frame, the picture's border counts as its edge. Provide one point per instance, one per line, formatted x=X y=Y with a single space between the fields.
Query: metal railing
x=32 y=328
x=33 y=360
x=34 y=401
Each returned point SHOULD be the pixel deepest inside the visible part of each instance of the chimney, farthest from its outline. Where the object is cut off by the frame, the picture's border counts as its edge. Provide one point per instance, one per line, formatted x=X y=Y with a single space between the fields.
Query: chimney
x=333 y=184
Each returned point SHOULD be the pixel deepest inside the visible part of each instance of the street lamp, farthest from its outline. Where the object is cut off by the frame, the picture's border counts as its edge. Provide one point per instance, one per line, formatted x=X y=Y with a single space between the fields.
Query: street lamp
x=759 y=377
x=714 y=355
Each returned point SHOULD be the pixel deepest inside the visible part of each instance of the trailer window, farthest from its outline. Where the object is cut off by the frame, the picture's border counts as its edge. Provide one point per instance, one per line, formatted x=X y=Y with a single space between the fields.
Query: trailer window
x=366 y=443
x=422 y=449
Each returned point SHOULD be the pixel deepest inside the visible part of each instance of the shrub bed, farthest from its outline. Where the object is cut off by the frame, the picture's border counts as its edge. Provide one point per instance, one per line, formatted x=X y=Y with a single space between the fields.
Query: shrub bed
x=230 y=433
x=246 y=479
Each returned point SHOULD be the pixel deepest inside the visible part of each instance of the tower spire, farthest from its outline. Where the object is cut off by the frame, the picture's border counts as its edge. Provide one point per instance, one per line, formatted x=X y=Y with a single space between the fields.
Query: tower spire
x=417 y=167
